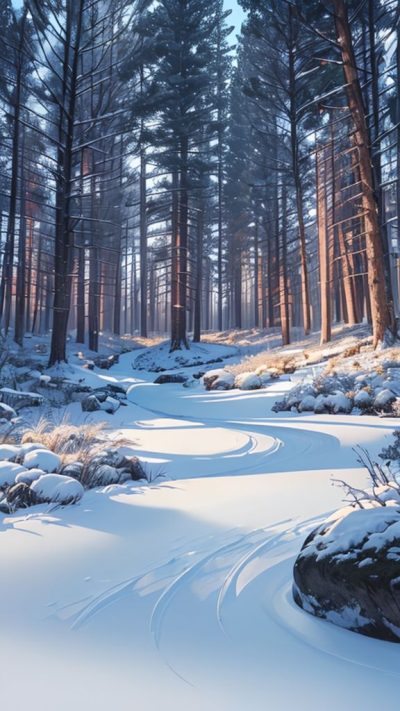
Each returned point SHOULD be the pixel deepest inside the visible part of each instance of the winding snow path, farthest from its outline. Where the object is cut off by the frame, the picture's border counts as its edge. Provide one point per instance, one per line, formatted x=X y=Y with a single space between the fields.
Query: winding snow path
x=178 y=595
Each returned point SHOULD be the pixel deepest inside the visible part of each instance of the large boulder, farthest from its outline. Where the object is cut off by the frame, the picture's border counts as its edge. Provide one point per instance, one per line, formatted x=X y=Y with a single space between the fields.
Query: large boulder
x=384 y=400
x=90 y=403
x=9 y=452
x=348 y=571
x=101 y=475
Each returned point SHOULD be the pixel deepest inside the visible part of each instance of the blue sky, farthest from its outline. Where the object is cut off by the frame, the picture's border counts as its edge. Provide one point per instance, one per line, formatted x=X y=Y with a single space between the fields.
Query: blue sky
x=237 y=16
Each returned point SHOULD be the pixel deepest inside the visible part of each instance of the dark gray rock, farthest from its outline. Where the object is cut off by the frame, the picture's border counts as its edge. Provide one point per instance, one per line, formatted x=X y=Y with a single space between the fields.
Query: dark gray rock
x=356 y=587
x=171 y=378
x=90 y=404
x=74 y=470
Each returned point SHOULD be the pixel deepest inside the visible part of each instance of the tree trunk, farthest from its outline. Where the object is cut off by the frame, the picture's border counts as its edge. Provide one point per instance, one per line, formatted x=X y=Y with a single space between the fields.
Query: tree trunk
x=374 y=250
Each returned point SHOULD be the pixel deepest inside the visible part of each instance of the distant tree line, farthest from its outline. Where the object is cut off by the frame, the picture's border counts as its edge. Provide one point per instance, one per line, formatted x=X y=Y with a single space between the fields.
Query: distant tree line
x=154 y=178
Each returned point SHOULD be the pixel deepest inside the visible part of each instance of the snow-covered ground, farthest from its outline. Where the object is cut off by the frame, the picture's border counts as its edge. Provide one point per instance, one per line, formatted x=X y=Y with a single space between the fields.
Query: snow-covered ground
x=178 y=594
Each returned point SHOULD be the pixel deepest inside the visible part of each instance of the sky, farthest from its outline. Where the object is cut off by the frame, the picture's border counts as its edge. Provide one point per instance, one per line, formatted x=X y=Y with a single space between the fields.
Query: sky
x=237 y=16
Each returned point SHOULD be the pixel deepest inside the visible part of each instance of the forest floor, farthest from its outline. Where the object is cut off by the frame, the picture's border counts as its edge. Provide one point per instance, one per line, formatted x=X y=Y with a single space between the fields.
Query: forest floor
x=178 y=593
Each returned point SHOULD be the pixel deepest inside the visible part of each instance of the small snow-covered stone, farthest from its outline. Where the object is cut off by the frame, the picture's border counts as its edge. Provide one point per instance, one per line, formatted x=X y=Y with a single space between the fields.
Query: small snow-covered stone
x=90 y=403
x=7 y=412
x=340 y=403
x=42 y=459
x=393 y=386
x=18 y=399
x=321 y=404
x=363 y=399
x=30 y=447
x=248 y=381
x=56 y=488
x=110 y=405
x=384 y=399
x=8 y=473
x=307 y=404
x=28 y=476
x=219 y=379
x=9 y=452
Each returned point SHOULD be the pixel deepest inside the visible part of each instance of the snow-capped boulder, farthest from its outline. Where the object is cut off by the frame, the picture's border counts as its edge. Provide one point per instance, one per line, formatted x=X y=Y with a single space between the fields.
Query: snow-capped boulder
x=73 y=469
x=384 y=399
x=307 y=404
x=9 y=452
x=29 y=447
x=393 y=386
x=219 y=379
x=339 y=403
x=110 y=405
x=101 y=475
x=8 y=473
x=90 y=403
x=57 y=489
x=248 y=381
x=348 y=570
x=7 y=412
x=18 y=399
x=166 y=378
x=363 y=400
x=321 y=404
x=28 y=476
x=42 y=459
x=20 y=496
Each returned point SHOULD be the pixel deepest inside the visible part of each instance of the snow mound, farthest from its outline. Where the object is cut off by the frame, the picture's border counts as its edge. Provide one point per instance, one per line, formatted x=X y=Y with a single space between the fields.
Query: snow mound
x=9 y=451
x=42 y=459
x=28 y=476
x=248 y=381
x=219 y=379
x=56 y=488
x=9 y=472
x=159 y=358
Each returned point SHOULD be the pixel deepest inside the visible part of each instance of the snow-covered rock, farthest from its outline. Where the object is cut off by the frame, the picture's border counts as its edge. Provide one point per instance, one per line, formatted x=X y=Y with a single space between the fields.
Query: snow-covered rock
x=18 y=399
x=307 y=404
x=166 y=378
x=8 y=473
x=57 y=488
x=348 y=569
x=73 y=469
x=9 y=451
x=340 y=403
x=90 y=403
x=28 y=476
x=393 y=386
x=7 y=412
x=248 y=381
x=219 y=379
x=363 y=399
x=42 y=459
x=384 y=399
x=102 y=475
x=29 y=447
x=110 y=405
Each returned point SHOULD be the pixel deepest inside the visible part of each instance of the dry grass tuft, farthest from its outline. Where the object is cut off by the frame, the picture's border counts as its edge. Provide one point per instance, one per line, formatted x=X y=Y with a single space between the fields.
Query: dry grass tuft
x=71 y=442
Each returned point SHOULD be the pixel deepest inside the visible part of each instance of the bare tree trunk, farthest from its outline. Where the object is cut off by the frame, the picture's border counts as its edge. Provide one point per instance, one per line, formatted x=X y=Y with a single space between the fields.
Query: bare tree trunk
x=323 y=248
x=375 y=258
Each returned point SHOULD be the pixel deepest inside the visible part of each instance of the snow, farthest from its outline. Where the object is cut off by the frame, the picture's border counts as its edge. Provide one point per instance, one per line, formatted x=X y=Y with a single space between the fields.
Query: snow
x=178 y=594
x=9 y=451
x=57 y=488
x=248 y=381
x=8 y=472
x=42 y=459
